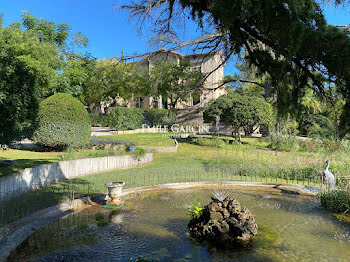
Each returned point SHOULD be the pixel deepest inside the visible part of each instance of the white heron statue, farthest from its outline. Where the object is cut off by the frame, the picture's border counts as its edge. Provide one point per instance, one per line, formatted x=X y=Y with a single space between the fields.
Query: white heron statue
x=328 y=178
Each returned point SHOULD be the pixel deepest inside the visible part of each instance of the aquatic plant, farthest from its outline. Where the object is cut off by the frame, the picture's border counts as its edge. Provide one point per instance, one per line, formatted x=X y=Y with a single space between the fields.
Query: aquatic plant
x=336 y=200
x=194 y=210
x=115 y=212
x=100 y=220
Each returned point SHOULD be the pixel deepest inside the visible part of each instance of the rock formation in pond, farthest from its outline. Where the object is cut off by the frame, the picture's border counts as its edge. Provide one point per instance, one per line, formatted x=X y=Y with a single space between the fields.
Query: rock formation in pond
x=224 y=222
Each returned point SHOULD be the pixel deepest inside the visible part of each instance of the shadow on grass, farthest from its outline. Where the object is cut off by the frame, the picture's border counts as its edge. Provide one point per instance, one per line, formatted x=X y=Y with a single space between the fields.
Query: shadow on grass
x=21 y=165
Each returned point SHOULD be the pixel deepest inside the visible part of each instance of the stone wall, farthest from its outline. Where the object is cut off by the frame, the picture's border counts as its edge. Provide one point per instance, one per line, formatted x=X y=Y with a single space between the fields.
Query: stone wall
x=46 y=174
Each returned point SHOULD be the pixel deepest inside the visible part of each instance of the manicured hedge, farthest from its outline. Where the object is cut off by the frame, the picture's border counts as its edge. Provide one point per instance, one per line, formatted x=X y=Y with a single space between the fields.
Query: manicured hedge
x=96 y=119
x=157 y=116
x=63 y=122
x=123 y=118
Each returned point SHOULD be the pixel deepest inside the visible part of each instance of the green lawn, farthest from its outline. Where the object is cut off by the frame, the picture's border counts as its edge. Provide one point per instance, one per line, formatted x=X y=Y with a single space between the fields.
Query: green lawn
x=25 y=158
x=29 y=158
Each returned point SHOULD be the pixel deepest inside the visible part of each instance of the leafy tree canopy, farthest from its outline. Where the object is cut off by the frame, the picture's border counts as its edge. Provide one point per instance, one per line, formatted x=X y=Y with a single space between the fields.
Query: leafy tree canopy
x=34 y=57
x=175 y=81
x=110 y=79
x=74 y=76
x=287 y=39
x=27 y=66
x=240 y=111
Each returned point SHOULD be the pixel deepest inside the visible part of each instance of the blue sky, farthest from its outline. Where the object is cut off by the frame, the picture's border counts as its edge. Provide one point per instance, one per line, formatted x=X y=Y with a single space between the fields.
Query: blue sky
x=108 y=30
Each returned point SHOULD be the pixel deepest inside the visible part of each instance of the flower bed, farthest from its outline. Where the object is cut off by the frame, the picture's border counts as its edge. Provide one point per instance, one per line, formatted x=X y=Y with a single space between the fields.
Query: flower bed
x=107 y=143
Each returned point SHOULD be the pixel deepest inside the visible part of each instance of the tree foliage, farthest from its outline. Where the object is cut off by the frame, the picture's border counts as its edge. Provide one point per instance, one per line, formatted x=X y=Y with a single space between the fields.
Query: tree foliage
x=46 y=30
x=174 y=81
x=36 y=61
x=109 y=79
x=287 y=39
x=317 y=126
x=240 y=111
x=74 y=77
x=27 y=66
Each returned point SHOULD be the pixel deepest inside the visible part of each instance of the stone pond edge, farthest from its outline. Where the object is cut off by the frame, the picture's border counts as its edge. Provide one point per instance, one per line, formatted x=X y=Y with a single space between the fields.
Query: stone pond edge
x=13 y=234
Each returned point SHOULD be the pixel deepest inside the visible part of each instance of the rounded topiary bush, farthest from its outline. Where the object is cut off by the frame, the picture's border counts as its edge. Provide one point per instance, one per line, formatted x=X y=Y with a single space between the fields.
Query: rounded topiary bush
x=63 y=122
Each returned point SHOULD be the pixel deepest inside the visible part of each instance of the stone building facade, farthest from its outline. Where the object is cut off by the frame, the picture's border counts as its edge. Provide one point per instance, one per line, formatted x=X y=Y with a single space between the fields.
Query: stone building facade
x=204 y=62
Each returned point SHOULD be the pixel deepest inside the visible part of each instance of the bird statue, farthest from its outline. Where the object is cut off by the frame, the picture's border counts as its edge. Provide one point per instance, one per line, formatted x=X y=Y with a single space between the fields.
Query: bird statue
x=328 y=178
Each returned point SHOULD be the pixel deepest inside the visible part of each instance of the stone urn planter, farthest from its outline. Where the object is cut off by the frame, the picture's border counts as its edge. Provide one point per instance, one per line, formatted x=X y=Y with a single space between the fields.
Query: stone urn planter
x=114 y=193
x=225 y=223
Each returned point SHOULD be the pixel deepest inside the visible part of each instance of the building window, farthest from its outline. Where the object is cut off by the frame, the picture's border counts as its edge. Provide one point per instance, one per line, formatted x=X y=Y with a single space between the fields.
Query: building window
x=139 y=102
x=155 y=102
x=196 y=97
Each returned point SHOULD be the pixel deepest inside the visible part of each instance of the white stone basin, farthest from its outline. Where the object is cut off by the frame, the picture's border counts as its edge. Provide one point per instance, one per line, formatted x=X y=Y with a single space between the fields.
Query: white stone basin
x=114 y=192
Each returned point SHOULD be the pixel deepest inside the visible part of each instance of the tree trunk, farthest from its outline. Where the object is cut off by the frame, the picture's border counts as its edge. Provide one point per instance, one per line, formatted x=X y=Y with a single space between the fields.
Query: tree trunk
x=236 y=134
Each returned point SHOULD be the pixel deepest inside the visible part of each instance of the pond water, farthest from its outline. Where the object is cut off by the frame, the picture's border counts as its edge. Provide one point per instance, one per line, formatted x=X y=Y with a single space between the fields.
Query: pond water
x=154 y=225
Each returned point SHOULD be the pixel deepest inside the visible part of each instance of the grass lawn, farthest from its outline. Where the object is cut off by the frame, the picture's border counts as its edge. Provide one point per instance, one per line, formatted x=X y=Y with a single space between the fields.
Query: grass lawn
x=25 y=158
x=29 y=158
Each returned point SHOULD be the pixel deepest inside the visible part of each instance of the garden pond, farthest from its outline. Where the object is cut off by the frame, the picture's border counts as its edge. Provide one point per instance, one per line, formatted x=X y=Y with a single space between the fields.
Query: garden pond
x=153 y=227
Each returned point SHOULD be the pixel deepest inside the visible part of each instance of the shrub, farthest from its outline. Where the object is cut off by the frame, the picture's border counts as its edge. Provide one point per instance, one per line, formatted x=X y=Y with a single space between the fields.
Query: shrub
x=292 y=143
x=284 y=143
x=123 y=118
x=96 y=119
x=330 y=145
x=157 y=116
x=337 y=200
x=317 y=145
x=139 y=153
x=317 y=126
x=63 y=122
x=310 y=145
